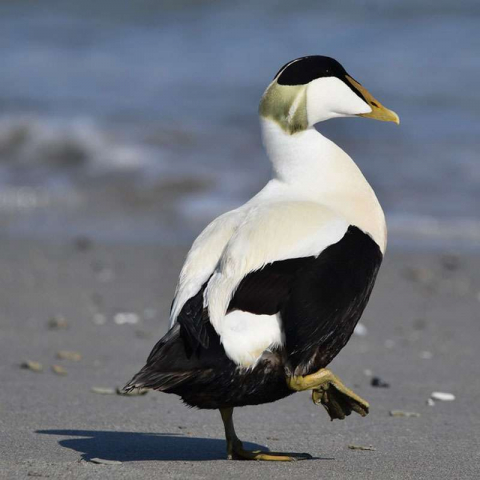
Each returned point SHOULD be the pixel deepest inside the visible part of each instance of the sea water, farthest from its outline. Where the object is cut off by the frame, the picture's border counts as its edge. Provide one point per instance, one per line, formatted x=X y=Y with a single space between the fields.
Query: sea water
x=138 y=120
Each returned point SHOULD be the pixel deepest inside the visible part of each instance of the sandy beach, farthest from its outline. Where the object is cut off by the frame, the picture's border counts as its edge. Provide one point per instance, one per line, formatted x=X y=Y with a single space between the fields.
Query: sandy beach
x=109 y=303
x=126 y=127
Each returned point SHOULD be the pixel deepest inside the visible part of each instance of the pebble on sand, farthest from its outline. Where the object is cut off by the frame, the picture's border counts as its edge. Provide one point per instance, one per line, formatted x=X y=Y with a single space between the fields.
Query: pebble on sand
x=378 y=382
x=33 y=366
x=69 y=355
x=57 y=322
x=401 y=413
x=442 y=396
x=361 y=447
x=103 y=461
x=59 y=370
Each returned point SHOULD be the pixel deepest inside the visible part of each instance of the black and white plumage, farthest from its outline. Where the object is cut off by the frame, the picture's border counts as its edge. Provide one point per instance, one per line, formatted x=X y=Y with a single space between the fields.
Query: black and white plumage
x=275 y=288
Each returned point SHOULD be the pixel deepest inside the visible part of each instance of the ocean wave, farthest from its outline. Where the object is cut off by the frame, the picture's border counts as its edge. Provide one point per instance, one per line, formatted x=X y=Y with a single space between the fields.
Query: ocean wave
x=36 y=141
x=407 y=230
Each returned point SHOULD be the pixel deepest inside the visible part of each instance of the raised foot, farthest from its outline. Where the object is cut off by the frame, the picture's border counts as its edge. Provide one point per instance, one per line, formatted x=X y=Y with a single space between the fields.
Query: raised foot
x=239 y=453
x=338 y=400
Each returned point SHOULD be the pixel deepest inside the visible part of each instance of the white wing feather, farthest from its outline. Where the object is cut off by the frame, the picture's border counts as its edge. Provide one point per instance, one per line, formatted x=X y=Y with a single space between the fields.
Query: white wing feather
x=203 y=258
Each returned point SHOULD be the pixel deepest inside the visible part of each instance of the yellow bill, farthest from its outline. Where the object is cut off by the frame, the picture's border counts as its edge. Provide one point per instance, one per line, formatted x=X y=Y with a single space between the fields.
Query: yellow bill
x=379 y=112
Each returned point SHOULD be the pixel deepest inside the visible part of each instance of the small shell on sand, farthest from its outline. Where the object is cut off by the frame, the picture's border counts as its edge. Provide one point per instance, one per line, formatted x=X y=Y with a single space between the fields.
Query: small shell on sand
x=443 y=396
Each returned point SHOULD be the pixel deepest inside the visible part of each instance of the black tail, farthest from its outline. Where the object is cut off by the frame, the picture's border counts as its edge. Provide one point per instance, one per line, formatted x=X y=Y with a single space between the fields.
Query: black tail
x=162 y=372
x=207 y=378
x=171 y=362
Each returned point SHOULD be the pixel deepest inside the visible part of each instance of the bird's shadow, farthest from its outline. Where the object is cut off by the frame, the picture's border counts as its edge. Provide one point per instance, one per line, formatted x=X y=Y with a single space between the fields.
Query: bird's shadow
x=135 y=447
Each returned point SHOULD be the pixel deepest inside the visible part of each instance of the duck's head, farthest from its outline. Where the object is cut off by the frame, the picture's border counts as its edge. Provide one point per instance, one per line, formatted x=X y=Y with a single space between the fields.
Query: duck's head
x=311 y=89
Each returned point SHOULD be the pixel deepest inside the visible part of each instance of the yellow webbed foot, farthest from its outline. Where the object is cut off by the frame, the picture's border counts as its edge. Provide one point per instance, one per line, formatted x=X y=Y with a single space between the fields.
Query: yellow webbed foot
x=235 y=451
x=338 y=403
x=329 y=391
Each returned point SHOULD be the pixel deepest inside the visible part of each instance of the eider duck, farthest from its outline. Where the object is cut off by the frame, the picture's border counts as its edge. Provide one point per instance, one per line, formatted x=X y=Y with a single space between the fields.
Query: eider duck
x=271 y=292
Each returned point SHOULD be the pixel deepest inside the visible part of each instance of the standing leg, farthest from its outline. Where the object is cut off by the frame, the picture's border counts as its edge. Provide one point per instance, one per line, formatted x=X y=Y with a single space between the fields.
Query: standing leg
x=235 y=450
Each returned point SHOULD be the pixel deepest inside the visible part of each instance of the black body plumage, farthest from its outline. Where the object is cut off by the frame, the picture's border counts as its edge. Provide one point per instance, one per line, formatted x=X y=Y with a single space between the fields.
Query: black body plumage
x=320 y=300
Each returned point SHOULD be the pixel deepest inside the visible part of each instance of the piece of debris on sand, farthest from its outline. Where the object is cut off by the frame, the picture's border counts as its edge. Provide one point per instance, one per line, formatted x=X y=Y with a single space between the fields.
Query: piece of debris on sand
x=33 y=366
x=362 y=447
x=59 y=370
x=103 y=390
x=69 y=355
x=402 y=413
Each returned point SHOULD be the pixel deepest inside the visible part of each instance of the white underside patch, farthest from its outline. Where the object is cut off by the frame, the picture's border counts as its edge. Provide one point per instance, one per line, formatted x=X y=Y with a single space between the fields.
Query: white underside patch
x=245 y=336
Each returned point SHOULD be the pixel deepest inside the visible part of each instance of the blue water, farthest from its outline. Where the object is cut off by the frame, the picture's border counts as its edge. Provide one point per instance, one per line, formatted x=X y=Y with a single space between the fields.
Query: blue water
x=138 y=120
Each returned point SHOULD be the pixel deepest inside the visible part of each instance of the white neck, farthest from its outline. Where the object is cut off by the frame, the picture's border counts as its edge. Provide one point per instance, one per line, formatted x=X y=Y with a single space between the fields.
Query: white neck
x=310 y=164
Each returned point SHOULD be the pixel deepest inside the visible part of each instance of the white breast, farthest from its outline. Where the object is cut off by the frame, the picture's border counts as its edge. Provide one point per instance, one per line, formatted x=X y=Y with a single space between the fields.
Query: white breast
x=317 y=169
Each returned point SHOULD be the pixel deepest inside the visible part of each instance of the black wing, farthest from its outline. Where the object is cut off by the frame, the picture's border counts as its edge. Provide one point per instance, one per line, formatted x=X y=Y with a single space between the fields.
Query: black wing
x=266 y=291
x=263 y=292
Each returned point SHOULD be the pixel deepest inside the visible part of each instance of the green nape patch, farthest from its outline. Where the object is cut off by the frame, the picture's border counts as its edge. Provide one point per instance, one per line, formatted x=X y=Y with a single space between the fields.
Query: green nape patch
x=286 y=105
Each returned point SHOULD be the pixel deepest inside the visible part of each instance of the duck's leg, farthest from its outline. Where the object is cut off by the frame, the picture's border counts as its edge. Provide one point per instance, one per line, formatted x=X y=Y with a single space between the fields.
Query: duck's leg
x=328 y=390
x=235 y=450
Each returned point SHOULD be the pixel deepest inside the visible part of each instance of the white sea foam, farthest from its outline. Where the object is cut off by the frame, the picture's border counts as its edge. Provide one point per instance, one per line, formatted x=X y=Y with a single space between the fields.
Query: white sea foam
x=38 y=141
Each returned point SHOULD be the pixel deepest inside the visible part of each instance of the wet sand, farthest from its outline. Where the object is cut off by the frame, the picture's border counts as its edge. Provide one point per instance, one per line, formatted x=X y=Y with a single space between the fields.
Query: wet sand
x=422 y=334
